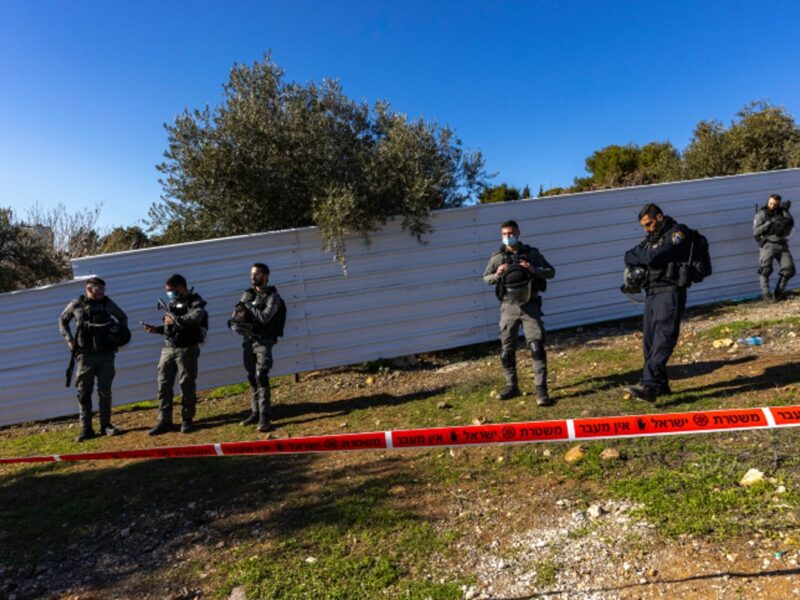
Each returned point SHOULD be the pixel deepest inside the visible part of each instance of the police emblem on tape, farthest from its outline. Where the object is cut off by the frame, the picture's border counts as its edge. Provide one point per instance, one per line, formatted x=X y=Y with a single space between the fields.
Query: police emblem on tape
x=700 y=420
x=509 y=432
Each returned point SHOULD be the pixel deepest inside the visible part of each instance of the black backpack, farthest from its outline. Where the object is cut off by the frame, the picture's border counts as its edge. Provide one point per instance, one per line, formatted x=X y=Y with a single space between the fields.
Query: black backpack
x=277 y=323
x=699 y=257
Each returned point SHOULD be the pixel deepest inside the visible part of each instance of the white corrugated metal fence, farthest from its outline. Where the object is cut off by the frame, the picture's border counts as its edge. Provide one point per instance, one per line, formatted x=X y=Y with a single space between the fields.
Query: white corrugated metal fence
x=400 y=297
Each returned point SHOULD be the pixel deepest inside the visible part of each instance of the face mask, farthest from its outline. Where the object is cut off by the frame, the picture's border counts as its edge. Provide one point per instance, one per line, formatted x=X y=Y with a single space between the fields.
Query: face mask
x=172 y=295
x=510 y=240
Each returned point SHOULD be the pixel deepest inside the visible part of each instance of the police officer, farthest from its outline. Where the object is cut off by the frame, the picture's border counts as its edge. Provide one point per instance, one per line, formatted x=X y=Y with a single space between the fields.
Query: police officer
x=666 y=246
x=771 y=228
x=263 y=310
x=518 y=272
x=95 y=345
x=184 y=329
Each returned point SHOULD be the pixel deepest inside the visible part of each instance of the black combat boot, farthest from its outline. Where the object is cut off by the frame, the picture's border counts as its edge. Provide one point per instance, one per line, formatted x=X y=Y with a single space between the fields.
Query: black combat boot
x=780 y=289
x=106 y=428
x=642 y=392
x=264 y=423
x=264 y=405
x=163 y=426
x=542 y=397
x=187 y=426
x=766 y=294
x=85 y=419
x=509 y=362
x=86 y=433
x=252 y=418
x=539 y=358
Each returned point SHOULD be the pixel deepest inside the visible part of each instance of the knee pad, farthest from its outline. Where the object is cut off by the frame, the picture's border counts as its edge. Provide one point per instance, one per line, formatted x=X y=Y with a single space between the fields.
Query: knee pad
x=262 y=377
x=765 y=270
x=537 y=350
x=508 y=358
x=788 y=273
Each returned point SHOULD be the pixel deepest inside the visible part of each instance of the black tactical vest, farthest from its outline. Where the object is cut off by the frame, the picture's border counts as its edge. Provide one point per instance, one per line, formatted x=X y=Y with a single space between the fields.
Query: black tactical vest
x=190 y=334
x=94 y=326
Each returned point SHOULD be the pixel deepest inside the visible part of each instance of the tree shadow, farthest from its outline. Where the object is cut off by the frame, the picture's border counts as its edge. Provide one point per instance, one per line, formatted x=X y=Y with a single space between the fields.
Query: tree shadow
x=69 y=530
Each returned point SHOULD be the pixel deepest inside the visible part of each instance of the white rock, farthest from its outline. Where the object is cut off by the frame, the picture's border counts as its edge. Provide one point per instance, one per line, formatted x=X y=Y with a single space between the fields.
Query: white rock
x=751 y=477
x=238 y=593
x=595 y=511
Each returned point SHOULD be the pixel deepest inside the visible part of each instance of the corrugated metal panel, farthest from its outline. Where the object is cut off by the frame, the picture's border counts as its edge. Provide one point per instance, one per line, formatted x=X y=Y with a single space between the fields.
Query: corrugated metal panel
x=399 y=298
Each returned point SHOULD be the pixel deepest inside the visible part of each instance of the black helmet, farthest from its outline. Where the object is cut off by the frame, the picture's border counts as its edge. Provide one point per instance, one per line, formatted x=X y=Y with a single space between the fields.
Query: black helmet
x=633 y=278
x=241 y=321
x=120 y=334
x=516 y=282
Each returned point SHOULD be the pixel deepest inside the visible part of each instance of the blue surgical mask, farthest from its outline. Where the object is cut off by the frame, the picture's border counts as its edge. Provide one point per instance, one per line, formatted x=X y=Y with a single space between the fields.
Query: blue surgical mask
x=172 y=295
x=510 y=240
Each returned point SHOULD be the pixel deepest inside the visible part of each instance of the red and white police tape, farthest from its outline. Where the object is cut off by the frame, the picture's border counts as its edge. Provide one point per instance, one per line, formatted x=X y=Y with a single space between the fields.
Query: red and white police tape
x=559 y=430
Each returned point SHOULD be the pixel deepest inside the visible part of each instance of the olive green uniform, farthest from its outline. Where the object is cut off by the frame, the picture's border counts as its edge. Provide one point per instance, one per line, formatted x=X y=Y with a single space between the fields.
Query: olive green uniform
x=180 y=355
x=95 y=361
x=528 y=315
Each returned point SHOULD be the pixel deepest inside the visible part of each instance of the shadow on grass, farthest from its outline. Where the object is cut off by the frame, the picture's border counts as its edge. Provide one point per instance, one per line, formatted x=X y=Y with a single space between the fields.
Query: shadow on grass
x=773 y=377
x=116 y=527
x=306 y=412
x=678 y=372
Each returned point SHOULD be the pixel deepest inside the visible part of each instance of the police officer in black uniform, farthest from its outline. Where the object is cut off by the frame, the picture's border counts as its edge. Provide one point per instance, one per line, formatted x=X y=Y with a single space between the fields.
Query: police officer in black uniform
x=184 y=329
x=771 y=227
x=666 y=246
x=518 y=272
x=99 y=322
x=262 y=312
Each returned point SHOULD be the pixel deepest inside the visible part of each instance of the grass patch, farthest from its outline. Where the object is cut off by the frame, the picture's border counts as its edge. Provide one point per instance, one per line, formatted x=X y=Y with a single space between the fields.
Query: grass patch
x=354 y=541
x=746 y=327
x=134 y=406
x=225 y=391
x=703 y=498
x=546 y=573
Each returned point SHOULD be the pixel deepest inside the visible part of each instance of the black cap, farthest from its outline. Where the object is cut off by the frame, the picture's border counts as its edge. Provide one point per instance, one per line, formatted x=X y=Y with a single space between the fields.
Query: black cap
x=95 y=281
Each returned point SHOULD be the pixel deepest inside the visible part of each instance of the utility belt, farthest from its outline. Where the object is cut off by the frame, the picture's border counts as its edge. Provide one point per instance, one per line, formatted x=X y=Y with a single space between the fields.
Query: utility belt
x=778 y=242
x=535 y=299
x=185 y=337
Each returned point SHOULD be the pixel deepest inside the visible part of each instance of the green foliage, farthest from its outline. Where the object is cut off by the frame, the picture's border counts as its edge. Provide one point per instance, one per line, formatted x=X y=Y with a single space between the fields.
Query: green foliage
x=121 y=239
x=500 y=193
x=27 y=258
x=620 y=166
x=762 y=137
x=276 y=155
x=708 y=153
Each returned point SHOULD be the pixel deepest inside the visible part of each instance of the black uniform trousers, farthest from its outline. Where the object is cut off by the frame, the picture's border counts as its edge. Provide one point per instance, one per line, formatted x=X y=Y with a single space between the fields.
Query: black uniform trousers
x=663 y=309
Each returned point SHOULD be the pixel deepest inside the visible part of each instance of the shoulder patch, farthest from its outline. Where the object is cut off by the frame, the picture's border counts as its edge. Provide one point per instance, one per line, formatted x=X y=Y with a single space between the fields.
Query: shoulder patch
x=678 y=237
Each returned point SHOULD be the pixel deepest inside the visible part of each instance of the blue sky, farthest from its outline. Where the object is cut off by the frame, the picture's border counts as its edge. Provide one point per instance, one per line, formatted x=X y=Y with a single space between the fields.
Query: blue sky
x=85 y=87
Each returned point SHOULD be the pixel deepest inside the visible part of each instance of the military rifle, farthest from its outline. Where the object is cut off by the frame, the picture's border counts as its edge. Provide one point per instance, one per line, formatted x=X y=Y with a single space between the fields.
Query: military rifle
x=71 y=367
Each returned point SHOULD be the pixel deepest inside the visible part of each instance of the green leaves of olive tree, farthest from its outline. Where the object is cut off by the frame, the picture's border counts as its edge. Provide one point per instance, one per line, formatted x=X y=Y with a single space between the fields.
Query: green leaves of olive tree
x=276 y=155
